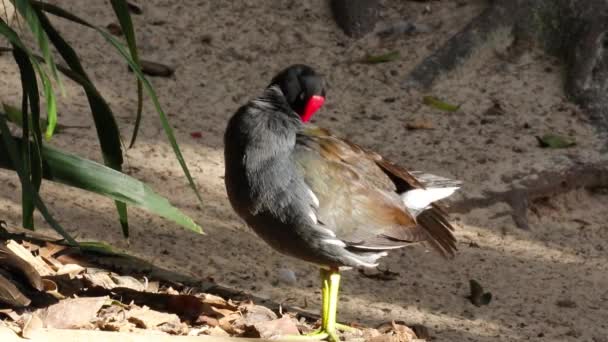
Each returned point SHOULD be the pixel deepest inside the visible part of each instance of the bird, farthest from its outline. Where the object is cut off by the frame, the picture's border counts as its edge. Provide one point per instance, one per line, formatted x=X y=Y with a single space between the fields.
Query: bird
x=314 y=196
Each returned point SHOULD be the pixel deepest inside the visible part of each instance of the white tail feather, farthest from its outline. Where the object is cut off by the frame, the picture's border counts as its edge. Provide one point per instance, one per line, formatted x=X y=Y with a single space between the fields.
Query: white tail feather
x=419 y=199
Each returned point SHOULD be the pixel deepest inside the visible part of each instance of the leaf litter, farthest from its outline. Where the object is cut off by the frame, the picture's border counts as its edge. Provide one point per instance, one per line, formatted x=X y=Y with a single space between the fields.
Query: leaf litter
x=73 y=293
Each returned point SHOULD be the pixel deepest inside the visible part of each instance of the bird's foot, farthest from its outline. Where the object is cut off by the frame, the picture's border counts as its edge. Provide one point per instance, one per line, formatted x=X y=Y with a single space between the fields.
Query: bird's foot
x=317 y=335
x=344 y=327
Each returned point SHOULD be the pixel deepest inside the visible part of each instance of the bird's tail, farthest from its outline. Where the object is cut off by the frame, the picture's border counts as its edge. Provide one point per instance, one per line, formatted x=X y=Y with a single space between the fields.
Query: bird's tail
x=435 y=188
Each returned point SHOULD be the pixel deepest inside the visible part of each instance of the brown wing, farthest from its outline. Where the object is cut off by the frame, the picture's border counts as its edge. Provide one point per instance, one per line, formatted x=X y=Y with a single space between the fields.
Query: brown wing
x=358 y=192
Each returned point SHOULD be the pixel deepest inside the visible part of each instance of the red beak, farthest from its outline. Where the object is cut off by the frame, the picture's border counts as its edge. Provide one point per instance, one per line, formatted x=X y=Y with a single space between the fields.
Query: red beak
x=313 y=105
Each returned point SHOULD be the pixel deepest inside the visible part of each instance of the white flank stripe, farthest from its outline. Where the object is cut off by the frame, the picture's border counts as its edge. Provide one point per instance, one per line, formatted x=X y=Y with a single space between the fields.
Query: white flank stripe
x=334 y=242
x=315 y=200
x=312 y=216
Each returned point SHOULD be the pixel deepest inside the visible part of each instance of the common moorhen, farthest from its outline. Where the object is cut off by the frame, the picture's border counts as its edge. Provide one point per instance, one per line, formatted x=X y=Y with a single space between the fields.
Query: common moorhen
x=320 y=198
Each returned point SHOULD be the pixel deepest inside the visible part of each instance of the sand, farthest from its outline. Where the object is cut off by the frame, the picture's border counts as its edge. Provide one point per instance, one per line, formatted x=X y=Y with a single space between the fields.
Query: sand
x=549 y=283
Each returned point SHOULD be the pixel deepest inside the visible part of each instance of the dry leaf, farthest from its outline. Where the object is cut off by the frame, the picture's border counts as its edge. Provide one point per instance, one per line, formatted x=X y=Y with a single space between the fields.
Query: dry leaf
x=101 y=279
x=11 y=295
x=70 y=269
x=72 y=313
x=127 y=282
x=218 y=302
x=114 y=29
x=149 y=319
x=10 y=313
x=32 y=324
x=279 y=327
x=155 y=69
x=217 y=331
x=36 y=262
x=12 y=261
x=419 y=124
x=50 y=287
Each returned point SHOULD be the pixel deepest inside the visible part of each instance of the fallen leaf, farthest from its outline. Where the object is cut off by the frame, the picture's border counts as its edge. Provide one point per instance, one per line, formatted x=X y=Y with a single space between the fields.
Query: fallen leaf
x=439 y=104
x=419 y=124
x=10 y=313
x=148 y=319
x=114 y=29
x=478 y=297
x=70 y=269
x=554 y=141
x=187 y=306
x=206 y=320
x=278 y=327
x=218 y=302
x=11 y=295
x=196 y=135
x=71 y=313
x=127 y=282
x=99 y=278
x=36 y=262
x=33 y=323
x=20 y=262
x=217 y=331
x=155 y=69
x=387 y=57
x=50 y=287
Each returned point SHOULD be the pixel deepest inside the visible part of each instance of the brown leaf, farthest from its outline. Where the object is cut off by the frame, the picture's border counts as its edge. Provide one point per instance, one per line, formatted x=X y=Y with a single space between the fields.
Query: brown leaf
x=36 y=262
x=70 y=269
x=419 y=124
x=10 y=313
x=217 y=331
x=99 y=278
x=218 y=302
x=251 y=314
x=186 y=305
x=148 y=319
x=155 y=69
x=279 y=327
x=50 y=287
x=32 y=324
x=114 y=29
x=206 y=320
x=11 y=295
x=72 y=313
x=392 y=332
x=14 y=262
x=50 y=249
x=127 y=282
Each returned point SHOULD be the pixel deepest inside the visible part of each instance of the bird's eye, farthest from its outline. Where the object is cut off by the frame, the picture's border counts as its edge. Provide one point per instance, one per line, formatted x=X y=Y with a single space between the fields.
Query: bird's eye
x=302 y=96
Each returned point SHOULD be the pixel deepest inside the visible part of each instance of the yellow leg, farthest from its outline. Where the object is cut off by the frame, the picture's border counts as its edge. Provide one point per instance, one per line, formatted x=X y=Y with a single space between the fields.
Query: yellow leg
x=331 y=284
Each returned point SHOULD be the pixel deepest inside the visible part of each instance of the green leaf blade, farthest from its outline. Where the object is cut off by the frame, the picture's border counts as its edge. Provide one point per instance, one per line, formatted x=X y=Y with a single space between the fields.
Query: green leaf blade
x=434 y=102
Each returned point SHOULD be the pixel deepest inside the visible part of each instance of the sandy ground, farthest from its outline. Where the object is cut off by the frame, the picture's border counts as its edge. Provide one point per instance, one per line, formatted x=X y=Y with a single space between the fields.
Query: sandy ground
x=549 y=283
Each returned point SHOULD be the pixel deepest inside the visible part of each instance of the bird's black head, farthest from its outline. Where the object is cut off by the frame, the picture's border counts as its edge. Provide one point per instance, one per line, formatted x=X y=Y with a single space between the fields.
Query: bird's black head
x=303 y=88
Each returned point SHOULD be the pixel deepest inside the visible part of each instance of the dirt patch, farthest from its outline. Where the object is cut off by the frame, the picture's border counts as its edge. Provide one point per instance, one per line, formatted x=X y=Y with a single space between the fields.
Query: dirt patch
x=224 y=53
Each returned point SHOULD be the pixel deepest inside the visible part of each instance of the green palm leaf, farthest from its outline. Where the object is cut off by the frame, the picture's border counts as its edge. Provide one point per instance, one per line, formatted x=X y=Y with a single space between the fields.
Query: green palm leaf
x=88 y=175
x=137 y=70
